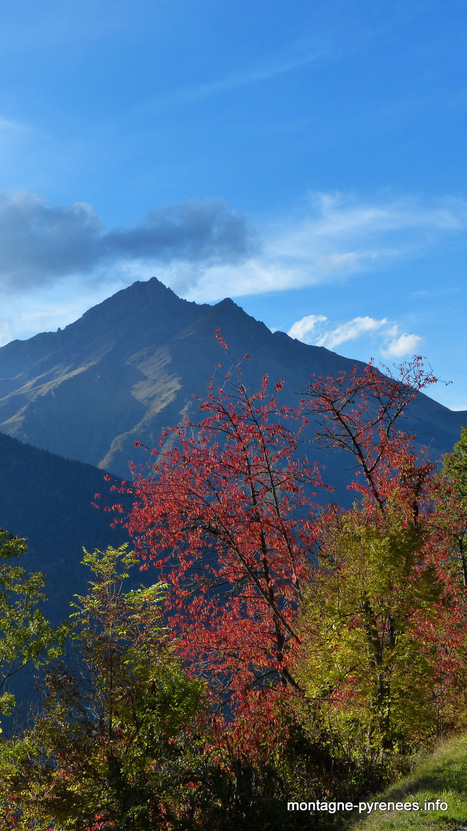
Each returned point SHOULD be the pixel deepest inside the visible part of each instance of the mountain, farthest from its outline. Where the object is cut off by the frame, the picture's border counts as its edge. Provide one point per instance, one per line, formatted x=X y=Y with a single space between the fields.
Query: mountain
x=48 y=500
x=122 y=372
x=131 y=365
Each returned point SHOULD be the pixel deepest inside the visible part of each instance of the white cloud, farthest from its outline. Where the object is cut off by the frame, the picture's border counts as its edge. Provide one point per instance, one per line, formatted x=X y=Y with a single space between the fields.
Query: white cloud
x=345 y=263
x=205 y=252
x=209 y=251
x=303 y=328
x=346 y=215
x=402 y=345
x=253 y=276
x=384 y=334
x=352 y=330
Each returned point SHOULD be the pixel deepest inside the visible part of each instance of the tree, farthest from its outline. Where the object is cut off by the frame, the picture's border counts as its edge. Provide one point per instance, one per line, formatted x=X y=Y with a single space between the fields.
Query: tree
x=381 y=636
x=362 y=414
x=26 y=637
x=223 y=517
x=287 y=645
x=27 y=642
x=449 y=523
x=119 y=742
x=383 y=618
x=283 y=608
x=452 y=501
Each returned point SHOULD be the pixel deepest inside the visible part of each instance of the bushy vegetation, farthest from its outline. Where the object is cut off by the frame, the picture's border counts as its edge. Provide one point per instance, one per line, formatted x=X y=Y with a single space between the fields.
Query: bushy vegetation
x=287 y=650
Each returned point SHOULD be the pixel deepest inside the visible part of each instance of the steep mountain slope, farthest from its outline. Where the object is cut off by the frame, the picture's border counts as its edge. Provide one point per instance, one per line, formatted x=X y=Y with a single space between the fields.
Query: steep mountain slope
x=48 y=500
x=131 y=365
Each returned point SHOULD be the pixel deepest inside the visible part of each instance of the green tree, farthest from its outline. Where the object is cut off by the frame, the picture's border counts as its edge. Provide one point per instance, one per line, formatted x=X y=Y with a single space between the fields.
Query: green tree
x=126 y=740
x=450 y=524
x=383 y=623
x=118 y=744
x=26 y=637
x=225 y=513
x=452 y=500
x=27 y=641
x=376 y=624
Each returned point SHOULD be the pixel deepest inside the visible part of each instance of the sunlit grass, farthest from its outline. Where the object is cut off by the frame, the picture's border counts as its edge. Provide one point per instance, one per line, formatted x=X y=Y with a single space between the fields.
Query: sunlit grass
x=441 y=776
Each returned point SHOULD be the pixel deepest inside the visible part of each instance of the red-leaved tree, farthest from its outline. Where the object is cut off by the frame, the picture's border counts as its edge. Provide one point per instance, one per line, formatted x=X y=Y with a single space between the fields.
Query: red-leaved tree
x=362 y=414
x=224 y=518
x=225 y=511
x=385 y=616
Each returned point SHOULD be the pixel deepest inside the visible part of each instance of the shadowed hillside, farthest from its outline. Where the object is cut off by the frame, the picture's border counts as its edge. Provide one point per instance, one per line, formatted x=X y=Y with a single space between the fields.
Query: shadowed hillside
x=48 y=500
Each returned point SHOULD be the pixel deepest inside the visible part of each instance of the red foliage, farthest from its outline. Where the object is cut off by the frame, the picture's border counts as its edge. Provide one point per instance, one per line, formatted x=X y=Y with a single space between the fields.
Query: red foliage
x=224 y=519
x=362 y=414
x=225 y=514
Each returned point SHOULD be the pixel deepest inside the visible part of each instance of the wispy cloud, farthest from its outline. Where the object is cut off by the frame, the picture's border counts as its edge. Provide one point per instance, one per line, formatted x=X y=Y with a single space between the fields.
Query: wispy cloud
x=13 y=135
x=390 y=341
x=7 y=126
x=254 y=75
x=333 y=237
x=297 y=56
x=351 y=330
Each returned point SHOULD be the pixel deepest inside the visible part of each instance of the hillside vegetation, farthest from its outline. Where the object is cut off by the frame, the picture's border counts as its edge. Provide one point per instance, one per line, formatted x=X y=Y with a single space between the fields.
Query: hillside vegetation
x=286 y=648
x=442 y=777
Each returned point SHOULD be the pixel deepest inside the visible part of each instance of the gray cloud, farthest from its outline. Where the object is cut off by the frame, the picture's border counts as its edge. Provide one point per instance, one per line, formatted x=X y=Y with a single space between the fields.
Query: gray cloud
x=200 y=232
x=40 y=243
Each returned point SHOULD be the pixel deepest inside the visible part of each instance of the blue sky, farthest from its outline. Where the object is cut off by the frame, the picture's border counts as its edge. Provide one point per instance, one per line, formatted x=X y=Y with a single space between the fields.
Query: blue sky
x=307 y=159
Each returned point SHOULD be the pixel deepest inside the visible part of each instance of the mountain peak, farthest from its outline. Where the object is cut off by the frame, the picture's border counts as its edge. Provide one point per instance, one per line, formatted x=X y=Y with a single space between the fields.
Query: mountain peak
x=133 y=297
x=226 y=303
x=131 y=365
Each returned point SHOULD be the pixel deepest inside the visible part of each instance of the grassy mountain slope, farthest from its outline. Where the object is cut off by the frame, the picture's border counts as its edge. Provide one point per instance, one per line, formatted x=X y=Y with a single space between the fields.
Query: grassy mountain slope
x=441 y=776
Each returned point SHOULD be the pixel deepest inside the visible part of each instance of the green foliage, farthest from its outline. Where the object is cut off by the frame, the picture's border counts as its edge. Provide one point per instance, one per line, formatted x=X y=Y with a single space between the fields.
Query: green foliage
x=452 y=502
x=377 y=624
x=124 y=741
x=304 y=680
x=118 y=742
x=26 y=637
x=455 y=466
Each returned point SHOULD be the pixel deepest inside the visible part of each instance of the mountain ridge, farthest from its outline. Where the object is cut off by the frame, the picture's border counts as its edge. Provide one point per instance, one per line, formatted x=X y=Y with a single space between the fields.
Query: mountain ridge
x=131 y=365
